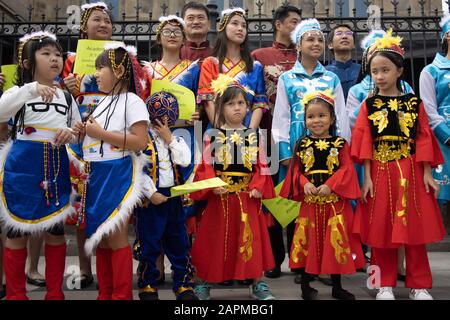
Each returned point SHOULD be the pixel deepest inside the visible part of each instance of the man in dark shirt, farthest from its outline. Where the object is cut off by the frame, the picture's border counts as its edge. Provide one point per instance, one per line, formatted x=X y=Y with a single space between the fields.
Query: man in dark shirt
x=277 y=59
x=341 y=43
x=196 y=16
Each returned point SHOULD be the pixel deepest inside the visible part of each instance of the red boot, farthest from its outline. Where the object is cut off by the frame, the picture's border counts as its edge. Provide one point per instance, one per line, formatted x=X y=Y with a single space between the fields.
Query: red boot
x=14 y=264
x=122 y=266
x=55 y=263
x=104 y=274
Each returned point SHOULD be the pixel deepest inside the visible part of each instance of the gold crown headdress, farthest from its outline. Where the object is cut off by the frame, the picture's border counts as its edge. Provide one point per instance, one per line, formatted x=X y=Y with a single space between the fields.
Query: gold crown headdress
x=388 y=43
x=325 y=95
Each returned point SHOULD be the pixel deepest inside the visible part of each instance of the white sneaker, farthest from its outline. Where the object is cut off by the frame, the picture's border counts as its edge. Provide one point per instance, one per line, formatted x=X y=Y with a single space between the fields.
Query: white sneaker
x=420 y=294
x=385 y=293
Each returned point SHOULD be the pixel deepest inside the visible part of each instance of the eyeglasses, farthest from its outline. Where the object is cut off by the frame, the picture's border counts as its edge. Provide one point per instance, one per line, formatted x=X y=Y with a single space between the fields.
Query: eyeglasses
x=169 y=32
x=45 y=107
x=341 y=33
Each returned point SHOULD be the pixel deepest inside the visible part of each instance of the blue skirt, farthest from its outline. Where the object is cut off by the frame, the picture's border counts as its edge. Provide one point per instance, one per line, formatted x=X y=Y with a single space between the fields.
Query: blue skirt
x=33 y=198
x=113 y=191
x=442 y=174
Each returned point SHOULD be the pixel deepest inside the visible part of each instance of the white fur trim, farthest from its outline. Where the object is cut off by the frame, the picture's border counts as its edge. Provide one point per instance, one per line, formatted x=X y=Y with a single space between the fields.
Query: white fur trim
x=38 y=34
x=141 y=189
x=100 y=4
x=298 y=31
x=231 y=10
x=11 y=224
x=173 y=17
x=117 y=44
x=373 y=34
x=77 y=162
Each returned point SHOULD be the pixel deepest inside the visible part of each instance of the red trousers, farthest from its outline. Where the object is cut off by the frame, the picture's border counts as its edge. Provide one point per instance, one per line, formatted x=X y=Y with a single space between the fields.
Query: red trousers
x=418 y=273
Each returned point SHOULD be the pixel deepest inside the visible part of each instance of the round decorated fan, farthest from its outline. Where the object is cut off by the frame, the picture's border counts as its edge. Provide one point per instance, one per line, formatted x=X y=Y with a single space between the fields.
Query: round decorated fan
x=162 y=105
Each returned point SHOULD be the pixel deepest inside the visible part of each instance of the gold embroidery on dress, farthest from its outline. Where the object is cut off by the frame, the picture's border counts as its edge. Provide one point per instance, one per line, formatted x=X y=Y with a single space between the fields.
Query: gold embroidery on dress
x=386 y=152
x=224 y=156
x=402 y=200
x=338 y=239
x=332 y=160
x=339 y=142
x=378 y=103
x=307 y=158
x=236 y=138
x=394 y=104
x=321 y=200
x=252 y=138
x=306 y=143
x=322 y=144
x=406 y=121
x=380 y=119
x=411 y=103
x=300 y=240
x=240 y=185
x=249 y=156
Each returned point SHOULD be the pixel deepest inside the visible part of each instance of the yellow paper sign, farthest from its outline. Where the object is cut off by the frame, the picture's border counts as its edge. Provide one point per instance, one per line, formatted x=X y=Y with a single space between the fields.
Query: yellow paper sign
x=196 y=186
x=185 y=97
x=9 y=73
x=284 y=210
x=87 y=53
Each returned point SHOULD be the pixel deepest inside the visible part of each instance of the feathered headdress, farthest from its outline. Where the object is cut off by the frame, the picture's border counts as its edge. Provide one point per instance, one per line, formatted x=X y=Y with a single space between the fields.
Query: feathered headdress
x=326 y=95
x=86 y=10
x=303 y=27
x=223 y=82
x=445 y=25
x=39 y=35
x=369 y=40
x=170 y=19
x=387 y=43
x=227 y=14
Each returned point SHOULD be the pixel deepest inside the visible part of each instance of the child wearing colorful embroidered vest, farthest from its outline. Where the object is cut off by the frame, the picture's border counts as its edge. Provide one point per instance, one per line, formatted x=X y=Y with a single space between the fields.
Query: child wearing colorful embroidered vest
x=321 y=175
x=160 y=222
x=35 y=181
x=114 y=134
x=393 y=140
x=233 y=230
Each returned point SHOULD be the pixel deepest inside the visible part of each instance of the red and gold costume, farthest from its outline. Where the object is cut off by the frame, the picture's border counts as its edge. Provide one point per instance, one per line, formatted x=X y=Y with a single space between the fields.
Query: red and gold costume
x=394 y=134
x=323 y=242
x=232 y=241
x=193 y=51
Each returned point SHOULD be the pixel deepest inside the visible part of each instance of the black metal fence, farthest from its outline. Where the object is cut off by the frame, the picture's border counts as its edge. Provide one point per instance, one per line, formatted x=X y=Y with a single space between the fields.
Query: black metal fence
x=420 y=32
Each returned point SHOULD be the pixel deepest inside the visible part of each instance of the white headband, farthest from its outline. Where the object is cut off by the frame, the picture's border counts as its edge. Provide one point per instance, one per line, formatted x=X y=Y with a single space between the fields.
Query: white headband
x=173 y=17
x=88 y=6
x=38 y=34
x=116 y=45
x=232 y=10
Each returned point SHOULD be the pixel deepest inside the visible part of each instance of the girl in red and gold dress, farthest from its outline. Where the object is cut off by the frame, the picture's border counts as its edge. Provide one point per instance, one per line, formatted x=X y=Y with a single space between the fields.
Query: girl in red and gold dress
x=393 y=139
x=323 y=178
x=232 y=241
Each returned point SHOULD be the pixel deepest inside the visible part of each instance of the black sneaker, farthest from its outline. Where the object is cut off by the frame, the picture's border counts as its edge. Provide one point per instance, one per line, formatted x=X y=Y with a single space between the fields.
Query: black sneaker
x=342 y=294
x=186 y=294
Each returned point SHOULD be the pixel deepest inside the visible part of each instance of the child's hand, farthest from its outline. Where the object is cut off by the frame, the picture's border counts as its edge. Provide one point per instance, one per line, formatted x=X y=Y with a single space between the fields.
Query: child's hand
x=220 y=190
x=367 y=188
x=46 y=93
x=195 y=117
x=324 y=190
x=79 y=129
x=255 y=194
x=93 y=129
x=163 y=130
x=158 y=198
x=310 y=189
x=70 y=82
x=63 y=136
x=429 y=181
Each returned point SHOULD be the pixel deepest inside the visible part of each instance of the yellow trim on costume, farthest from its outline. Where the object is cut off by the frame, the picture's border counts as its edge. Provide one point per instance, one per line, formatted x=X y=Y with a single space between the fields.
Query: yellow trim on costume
x=236 y=69
x=394 y=138
x=70 y=150
x=316 y=171
x=91 y=145
x=148 y=289
x=14 y=217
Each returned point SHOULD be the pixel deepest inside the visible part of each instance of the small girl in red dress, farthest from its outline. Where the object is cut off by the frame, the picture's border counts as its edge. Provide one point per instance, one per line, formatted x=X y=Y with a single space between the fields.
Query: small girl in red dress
x=323 y=178
x=232 y=241
x=393 y=139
